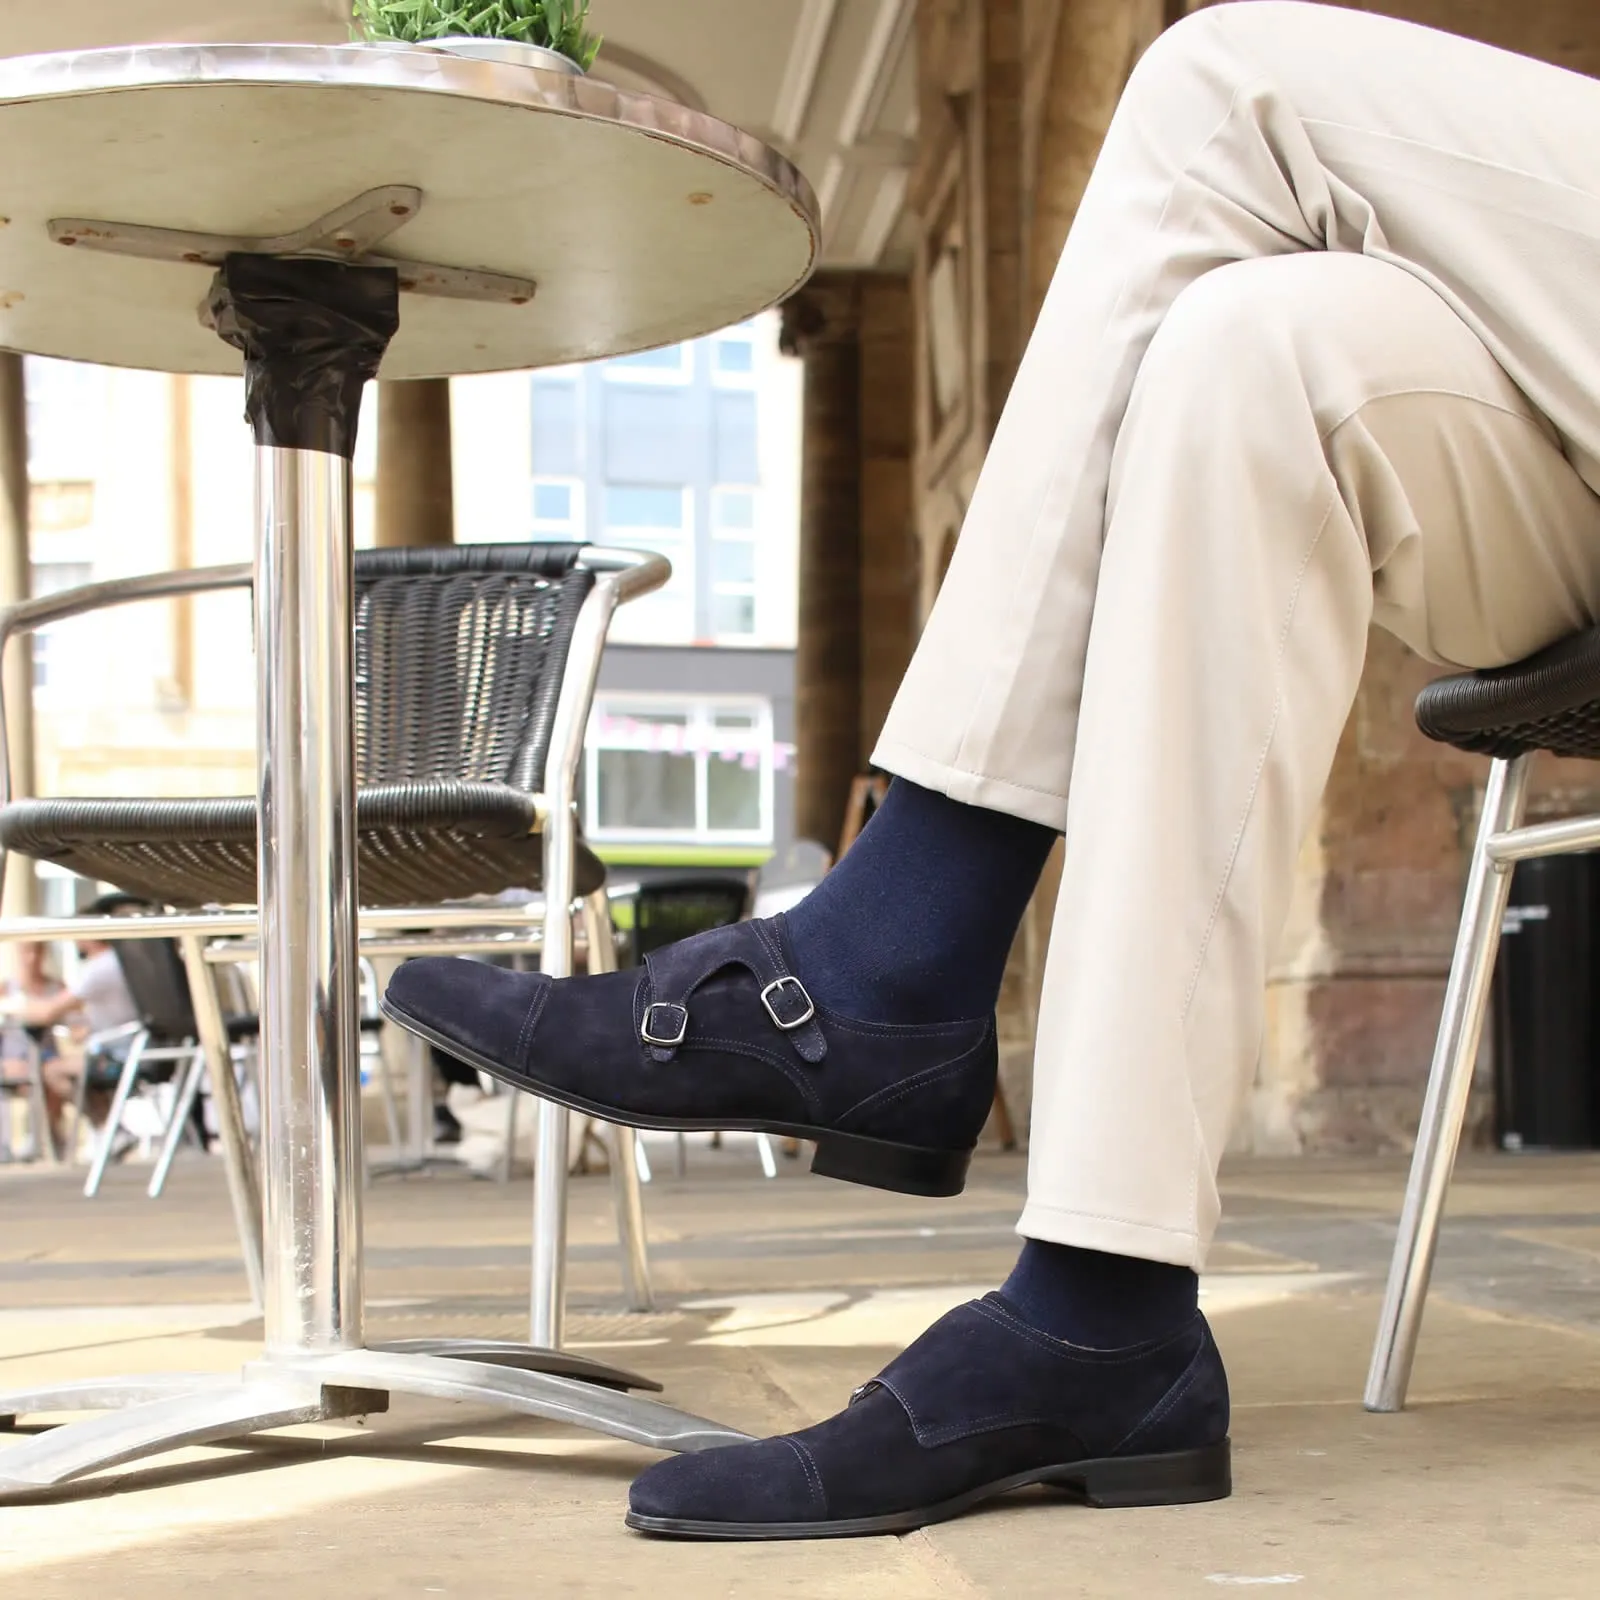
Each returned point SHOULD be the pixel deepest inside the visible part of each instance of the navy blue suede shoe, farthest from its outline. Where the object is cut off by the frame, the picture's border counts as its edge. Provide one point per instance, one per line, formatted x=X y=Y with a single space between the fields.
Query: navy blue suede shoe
x=981 y=1404
x=718 y=1031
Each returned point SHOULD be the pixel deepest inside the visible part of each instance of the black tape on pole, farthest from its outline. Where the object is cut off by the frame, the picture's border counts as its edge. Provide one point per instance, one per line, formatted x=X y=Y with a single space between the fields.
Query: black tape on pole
x=313 y=333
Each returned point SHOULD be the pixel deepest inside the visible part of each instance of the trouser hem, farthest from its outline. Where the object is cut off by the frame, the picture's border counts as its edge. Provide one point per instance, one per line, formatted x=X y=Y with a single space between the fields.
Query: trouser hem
x=972 y=788
x=1113 y=1236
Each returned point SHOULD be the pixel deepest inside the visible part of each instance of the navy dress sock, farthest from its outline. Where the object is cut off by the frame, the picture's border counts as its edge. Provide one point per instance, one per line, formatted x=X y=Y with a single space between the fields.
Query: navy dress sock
x=916 y=921
x=1103 y=1302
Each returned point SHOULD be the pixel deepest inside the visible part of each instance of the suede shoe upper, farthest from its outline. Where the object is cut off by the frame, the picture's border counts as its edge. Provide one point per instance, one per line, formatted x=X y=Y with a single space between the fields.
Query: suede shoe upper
x=980 y=1399
x=715 y=1030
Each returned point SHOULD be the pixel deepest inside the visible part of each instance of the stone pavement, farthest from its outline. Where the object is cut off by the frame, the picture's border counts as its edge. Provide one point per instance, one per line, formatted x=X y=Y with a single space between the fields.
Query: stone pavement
x=775 y=1299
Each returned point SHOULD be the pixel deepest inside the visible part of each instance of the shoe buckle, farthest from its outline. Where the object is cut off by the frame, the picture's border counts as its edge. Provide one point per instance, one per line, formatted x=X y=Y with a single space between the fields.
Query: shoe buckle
x=779 y=987
x=677 y=1016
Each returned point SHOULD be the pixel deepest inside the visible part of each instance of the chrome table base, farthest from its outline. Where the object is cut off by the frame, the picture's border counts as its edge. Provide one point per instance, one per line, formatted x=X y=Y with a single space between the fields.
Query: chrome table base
x=150 y=1416
x=313 y=333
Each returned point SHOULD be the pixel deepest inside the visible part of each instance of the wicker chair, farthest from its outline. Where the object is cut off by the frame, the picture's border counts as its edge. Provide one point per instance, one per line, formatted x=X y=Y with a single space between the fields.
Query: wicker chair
x=1551 y=702
x=474 y=669
x=459 y=659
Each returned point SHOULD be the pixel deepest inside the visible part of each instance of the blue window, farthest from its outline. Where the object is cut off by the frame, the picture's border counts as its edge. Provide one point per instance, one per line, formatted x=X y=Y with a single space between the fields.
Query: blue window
x=640 y=506
x=552 y=502
x=736 y=356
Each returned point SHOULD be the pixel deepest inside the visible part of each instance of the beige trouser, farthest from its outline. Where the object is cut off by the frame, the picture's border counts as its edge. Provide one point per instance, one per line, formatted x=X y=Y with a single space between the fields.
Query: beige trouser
x=1323 y=348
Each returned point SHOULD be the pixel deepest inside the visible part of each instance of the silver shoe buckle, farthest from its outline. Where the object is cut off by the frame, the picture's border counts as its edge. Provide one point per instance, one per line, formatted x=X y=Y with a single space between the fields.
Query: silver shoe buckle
x=794 y=1022
x=662 y=1039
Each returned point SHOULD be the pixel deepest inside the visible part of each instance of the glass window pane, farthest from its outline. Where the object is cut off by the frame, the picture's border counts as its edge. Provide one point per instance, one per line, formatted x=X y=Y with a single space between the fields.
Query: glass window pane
x=669 y=359
x=557 y=434
x=736 y=508
x=733 y=793
x=733 y=613
x=736 y=355
x=736 y=440
x=646 y=789
x=736 y=719
x=636 y=506
x=733 y=561
x=552 y=502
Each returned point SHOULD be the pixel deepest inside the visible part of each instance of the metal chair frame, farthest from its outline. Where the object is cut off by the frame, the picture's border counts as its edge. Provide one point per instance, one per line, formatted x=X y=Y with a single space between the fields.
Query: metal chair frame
x=1502 y=841
x=207 y=938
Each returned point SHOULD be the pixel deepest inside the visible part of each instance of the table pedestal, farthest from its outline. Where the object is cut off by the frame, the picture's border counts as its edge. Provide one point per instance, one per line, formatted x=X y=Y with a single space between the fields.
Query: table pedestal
x=313 y=333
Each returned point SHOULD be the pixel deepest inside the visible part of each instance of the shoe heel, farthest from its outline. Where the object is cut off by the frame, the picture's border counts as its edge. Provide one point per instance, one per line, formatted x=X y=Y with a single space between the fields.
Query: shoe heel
x=1180 y=1478
x=904 y=1168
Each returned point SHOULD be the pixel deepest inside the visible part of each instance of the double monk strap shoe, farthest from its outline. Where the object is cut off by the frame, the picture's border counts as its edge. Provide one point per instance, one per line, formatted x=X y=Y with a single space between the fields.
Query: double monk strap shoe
x=720 y=1032
x=980 y=1405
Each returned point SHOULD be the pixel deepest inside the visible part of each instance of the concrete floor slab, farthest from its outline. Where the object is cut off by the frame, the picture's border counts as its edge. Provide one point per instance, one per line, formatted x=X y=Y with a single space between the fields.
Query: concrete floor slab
x=776 y=1299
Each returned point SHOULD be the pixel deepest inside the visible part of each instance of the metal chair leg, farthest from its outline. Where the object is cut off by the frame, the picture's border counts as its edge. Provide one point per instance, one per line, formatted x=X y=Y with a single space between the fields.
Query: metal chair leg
x=508 y=1154
x=1449 y=1085
x=769 y=1162
x=238 y=1160
x=600 y=938
x=182 y=1110
x=391 y=1106
x=119 y=1105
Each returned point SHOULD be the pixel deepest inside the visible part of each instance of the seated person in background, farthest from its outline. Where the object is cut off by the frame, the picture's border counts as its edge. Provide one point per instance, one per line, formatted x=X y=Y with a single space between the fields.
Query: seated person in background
x=97 y=1001
x=34 y=980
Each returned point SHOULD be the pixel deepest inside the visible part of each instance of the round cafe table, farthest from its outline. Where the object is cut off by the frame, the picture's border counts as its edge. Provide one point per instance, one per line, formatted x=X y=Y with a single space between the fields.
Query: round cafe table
x=317 y=216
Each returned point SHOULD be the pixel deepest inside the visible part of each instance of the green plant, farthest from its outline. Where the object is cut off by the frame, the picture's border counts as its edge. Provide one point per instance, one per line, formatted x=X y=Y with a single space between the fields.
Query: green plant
x=556 y=24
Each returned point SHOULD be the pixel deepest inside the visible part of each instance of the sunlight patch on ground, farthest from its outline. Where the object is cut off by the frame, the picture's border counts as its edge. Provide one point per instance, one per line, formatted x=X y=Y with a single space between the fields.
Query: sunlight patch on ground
x=838 y=1320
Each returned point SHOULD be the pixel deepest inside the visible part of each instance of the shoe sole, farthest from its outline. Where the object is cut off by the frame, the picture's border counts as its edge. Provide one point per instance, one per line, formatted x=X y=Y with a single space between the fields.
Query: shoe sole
x=1184 y=1477
x=850 y=1157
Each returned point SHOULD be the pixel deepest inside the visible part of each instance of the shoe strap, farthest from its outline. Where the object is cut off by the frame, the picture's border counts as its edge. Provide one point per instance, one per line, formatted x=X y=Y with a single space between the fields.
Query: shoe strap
x=674 y=973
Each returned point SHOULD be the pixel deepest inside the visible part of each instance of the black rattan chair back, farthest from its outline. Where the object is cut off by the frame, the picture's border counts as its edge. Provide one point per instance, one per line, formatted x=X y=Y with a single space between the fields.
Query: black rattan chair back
x=454 y=651
x=460 y=655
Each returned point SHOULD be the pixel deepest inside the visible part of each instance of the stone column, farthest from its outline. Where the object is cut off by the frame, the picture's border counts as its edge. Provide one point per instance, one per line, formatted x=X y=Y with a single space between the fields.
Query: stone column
x=889 y=545
x=416 y=491
x=15 y=585
x=822 y=325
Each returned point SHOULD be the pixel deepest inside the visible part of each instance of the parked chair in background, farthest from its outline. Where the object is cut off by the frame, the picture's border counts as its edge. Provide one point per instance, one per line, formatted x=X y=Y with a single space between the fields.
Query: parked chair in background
x=162 y=1047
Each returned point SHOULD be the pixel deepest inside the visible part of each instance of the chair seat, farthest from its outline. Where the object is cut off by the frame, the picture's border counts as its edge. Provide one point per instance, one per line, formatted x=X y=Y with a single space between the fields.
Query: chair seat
x=417 y=844
x=1550 y=701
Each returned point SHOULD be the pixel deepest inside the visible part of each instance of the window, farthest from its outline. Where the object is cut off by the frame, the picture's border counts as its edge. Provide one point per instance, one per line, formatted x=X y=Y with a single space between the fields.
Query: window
x=51 y=577
x=646 y=506
x=557 y=508
x=673 y=363
x=733 y=355
x=557 y=428
x=679 y=771
x=658 y=519
x=733 y=563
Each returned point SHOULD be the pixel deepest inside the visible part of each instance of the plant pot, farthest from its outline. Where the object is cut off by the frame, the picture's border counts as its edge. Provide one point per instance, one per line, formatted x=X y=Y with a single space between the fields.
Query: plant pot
x=510 y=52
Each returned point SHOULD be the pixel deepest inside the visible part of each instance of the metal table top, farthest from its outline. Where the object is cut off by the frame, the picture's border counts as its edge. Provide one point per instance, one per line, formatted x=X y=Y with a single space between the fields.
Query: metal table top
x=641 y=222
